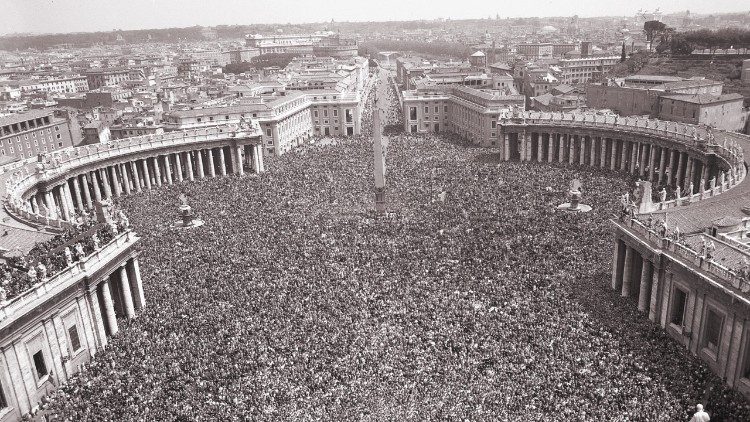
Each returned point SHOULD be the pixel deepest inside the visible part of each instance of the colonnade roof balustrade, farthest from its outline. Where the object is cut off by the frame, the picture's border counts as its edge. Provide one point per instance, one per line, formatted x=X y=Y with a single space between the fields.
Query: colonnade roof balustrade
x=21 y=177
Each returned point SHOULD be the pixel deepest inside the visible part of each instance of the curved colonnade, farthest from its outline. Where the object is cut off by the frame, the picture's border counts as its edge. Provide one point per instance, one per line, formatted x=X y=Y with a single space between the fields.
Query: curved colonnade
x=50 y=193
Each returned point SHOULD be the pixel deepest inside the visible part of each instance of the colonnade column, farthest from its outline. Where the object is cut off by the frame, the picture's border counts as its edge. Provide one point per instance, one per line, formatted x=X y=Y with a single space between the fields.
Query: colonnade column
x=109 y=307
x=86 y=193
x=642 y=159
x=199 y=156
x=97 y=189
x=613 y=154
x=662 y=163
x=146 y=174
x=136 y=176
x=693 y=166
x=77 y=192
x=644 y=295
x=134 y=276
x=651 y=162
x=211 y=164
x=571 y=148
x=633 y=156
x=582 y=150
x=239 y=170
x=157 y=170
x=99 y=330
x=189 y=165
x=115 y=181
x=627 y=271
x=670 y=166
x=127 y=294
x=592 y=151
x=168 y=169
x=125 y=178
x=222 y=163
x=704 y=176
x=550 y=148
x=178 y=167
x=654 y=293
x=623 y=155
x=680 y=159
x=64 y=203
x=560 y=147
x=602 y=152
x=105 y=183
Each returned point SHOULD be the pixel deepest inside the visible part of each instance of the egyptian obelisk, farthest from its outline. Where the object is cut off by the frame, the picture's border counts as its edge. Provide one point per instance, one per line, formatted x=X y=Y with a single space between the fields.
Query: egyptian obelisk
x=377 y=133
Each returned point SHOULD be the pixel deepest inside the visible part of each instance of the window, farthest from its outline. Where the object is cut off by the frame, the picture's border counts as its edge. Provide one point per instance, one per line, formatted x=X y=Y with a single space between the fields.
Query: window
x=445 y=109
x=437 y=109
x=75 y=341
x=494 y=124
x=679 y=303
x=426 y=109
x=335 y=113
x=712 y=333
x=315 y=113
x=40 y=365
x=412 y=113
x=268 y=132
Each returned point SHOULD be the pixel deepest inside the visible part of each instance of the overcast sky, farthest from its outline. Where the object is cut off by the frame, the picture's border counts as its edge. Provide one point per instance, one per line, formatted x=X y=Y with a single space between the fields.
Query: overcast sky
x=55 y=16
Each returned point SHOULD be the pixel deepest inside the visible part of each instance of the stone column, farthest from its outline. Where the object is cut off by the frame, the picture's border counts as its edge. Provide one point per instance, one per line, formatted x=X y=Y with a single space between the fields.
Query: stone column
x=65 y=211
x=125 y=178
x=109 y=307
x=669 y=174
x=602 y=152
x=101 y=333
x=642 y=160
x=627 y=271
x=49 y=203
x=592 y=151
x=624 y=155
x=157 y=171
x=189 y=165
x=679 y=177
x=127 y=294
x=693 y=166
x=539 y=147
x=633 y=156
x=560 y=148
x=136 y=177
x=115 y=181
x=146 y=175
x=644 y=296
x=613 y=154
x=211 y=163
x=529 y=146
x=178 y=167
x=86 y=192
x=654 y=294
x=168 y=169
x=260 y=158
x=77 y=192
x=222 y=162
x=581 y=150
x=550 y=148
x=704 y=177
x=105 y=183
x=651 y=162
x=522 y=146
x=571 y=149
x=238 y=163
x=137 y=284
x=662 y=163
x=199 y=157
x=34 y=205
x=97 y=189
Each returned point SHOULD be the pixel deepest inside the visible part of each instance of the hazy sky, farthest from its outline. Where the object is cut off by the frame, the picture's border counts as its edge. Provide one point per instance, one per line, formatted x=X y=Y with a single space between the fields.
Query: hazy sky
x=54 y=16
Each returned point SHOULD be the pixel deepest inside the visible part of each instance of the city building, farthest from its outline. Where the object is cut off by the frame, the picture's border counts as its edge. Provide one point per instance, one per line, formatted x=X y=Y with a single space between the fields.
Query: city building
x=586 y=69
x=37 y=131
x=98 y=78
x=470 y=112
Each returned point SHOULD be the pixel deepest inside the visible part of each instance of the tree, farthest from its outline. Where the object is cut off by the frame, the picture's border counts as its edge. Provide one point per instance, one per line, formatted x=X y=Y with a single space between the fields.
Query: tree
x=652 y=29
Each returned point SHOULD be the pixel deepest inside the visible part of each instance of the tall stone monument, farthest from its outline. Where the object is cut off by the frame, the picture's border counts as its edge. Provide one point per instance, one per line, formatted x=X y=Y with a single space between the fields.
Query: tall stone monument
x=377 y=143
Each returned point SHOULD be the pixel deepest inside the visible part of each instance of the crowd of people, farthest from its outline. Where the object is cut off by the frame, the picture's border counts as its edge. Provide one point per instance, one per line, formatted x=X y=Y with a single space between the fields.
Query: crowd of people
x=472 y=298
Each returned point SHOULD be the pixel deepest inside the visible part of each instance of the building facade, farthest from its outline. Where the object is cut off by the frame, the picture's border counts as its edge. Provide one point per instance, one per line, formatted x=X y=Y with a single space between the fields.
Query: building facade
x=37 y=131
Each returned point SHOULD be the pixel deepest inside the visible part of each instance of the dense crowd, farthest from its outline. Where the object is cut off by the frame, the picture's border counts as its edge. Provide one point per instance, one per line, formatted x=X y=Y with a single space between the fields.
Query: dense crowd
x=471 y=299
